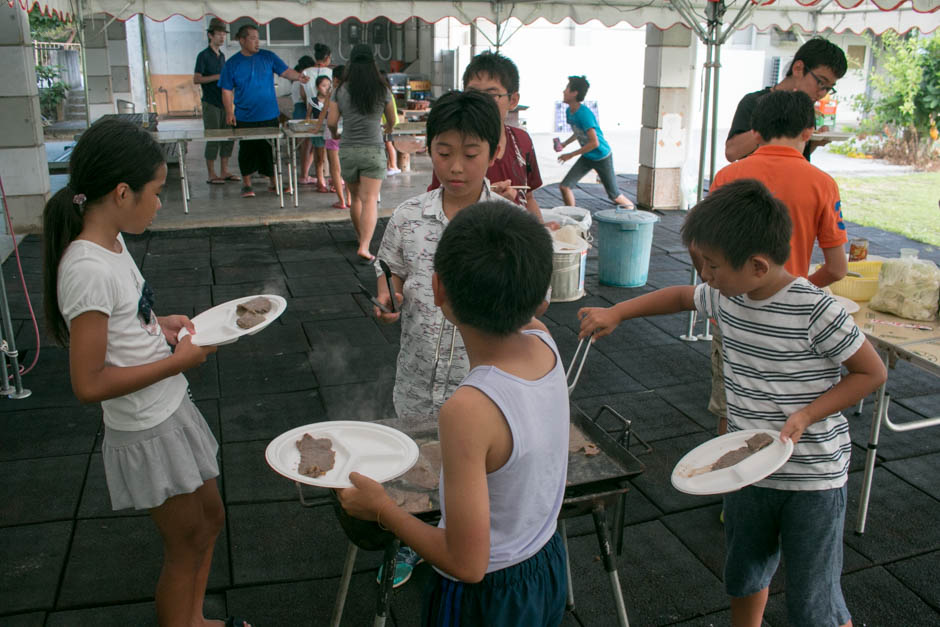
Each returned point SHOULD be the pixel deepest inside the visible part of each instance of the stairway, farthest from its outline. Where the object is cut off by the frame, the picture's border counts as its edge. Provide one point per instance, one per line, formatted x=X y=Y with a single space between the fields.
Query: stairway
x=75 y=104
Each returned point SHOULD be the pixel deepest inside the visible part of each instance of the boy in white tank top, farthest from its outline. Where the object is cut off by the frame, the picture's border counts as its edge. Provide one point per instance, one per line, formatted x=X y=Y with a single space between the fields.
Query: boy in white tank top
x=504 y=434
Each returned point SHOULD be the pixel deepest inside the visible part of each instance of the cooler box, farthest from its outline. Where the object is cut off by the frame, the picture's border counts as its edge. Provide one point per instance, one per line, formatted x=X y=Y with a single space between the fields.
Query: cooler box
x=624 y=241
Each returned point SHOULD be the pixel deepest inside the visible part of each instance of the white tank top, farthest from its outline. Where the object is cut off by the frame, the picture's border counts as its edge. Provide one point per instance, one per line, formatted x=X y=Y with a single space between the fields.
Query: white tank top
x=527 y=491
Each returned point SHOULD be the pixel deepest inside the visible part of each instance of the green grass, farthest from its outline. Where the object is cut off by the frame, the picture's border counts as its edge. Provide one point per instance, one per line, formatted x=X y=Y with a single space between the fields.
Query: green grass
x=905 y=204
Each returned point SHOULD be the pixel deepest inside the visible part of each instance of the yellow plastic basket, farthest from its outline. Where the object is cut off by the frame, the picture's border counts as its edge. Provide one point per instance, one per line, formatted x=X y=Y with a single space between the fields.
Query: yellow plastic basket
x=859 y=288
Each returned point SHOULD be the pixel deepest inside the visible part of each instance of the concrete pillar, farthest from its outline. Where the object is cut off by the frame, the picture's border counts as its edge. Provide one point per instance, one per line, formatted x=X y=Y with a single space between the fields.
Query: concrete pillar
x=119 y=63
x=666 y=115
x=23 y=163
x=98 y=67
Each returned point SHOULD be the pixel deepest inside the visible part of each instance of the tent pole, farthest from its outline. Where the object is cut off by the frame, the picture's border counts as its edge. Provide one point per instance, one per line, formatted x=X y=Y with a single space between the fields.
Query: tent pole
x=81 y=53
x=706 y=101
x=716 y=69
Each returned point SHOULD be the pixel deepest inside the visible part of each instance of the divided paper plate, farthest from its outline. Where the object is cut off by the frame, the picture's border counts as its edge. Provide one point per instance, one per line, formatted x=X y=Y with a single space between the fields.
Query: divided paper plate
x=758 y=466
x=848 y=304
x=216 y=326
x=376 y=451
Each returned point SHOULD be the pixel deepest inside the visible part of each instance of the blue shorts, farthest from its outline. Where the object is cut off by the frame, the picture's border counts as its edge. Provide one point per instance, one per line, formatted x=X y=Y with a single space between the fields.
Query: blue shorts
x=532 y=592
x=806 y=527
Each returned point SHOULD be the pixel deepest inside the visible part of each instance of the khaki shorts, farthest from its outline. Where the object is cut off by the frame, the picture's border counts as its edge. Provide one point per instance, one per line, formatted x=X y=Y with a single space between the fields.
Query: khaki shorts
x=717 y=403
x=358 y=161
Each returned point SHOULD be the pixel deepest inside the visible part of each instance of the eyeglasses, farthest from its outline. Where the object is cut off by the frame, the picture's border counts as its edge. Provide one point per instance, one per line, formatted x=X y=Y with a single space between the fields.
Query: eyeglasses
x=829 y=89
x=490 y=92
x=145 y=304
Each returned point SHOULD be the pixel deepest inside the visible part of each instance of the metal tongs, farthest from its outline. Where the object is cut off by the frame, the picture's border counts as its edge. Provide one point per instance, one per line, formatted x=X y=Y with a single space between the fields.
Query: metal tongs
x=437 y=357
x=577 y=374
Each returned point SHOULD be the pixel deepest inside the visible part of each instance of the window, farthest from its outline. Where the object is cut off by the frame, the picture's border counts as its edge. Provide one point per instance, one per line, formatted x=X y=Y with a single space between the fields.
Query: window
x=855 y=55
x=278 y=32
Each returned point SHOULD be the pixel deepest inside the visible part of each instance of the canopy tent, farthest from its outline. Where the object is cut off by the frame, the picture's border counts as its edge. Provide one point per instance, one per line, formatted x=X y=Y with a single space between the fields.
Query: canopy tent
x=808 y=15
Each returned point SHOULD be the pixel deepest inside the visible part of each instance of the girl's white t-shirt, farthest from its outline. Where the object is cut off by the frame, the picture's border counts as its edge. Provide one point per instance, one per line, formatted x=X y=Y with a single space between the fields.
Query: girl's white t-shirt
x=92 y=278
x=310 y=87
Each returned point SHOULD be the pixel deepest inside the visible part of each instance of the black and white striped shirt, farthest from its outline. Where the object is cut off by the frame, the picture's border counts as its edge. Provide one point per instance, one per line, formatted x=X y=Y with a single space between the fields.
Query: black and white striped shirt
x=780 y=354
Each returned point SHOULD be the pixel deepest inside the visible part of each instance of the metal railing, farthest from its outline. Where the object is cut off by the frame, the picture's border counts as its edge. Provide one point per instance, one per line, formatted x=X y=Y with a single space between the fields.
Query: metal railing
x=65 y=56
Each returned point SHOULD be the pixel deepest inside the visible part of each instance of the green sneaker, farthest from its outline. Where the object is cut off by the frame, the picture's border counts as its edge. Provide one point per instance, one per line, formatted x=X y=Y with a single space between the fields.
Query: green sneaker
x=405 y=561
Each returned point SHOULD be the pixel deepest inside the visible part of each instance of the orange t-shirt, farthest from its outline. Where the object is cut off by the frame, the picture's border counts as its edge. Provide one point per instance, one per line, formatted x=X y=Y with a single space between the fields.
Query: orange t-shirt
x=810 y=194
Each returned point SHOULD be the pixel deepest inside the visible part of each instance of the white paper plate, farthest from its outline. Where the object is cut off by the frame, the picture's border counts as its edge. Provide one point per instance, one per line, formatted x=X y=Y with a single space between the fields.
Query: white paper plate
x=848 y=304
x=216 y=326
x=832 y=136
x=751 y=470
x=376 y=451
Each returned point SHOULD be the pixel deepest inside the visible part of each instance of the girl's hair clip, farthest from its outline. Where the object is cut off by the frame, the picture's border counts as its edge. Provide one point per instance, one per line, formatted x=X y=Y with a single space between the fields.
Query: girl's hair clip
x=79 y=199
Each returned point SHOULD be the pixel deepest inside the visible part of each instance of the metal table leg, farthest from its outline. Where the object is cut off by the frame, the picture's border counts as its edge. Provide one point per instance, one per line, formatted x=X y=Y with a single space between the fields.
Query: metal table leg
x=340 y=602
x=296 y=181
x=610 y=565
x=385 y=589
x=870 y=456
x=689 y=335
x=184 y=182
x=569 y=604
x=278 y=174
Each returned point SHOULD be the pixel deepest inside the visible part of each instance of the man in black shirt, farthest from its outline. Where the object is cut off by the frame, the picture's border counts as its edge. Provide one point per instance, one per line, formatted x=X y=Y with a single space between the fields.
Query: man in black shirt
x=208 y=68
x=817 y=66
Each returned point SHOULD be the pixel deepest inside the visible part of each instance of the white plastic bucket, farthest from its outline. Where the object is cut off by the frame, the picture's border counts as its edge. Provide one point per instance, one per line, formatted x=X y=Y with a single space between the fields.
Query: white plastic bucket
x=569 y=261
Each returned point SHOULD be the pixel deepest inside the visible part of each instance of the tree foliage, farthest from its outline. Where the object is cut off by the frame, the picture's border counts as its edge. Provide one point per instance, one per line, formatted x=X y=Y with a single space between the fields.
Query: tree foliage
x=49 y=27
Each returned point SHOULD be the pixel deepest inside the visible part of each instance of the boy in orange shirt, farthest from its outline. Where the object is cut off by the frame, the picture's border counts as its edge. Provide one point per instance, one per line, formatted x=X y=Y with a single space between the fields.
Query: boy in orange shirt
x=785 y=120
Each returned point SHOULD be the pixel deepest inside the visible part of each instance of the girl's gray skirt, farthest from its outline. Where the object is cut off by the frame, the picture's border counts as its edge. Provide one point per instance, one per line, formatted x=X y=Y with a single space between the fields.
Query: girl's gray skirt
x=145 y=468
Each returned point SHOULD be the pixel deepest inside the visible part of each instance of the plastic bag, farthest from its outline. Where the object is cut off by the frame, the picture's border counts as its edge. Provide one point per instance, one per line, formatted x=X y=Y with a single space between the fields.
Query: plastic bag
x=909 y=288
x=575 y=216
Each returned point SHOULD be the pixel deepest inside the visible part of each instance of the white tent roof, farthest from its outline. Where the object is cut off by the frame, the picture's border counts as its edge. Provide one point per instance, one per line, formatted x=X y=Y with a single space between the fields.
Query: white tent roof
x=810 y=15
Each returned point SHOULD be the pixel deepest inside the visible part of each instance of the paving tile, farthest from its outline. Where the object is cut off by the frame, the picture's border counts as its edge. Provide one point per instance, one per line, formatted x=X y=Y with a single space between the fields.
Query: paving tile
x=265 y=416
x=653 y=561
x=637 y=509
x=359 y=401
x=128 y=570
x=322 y=267
x=322 y=307
x=652 y=417
x=665 y=278
x=248 y=258
x=336 y=333
x=567 y=313
x=155 y=263
x=901 y=519
x=338 y=365
x=920 y=575
x=235 y=275
x=692 y=400
x=905 y=381
x=282 y=603
x=40 y=490
x=927 y=406
x=300 y=543
x=33 y=619
x=920 y=472
x=893 y=445
x=873 y=598
x=137 y=614
x=275 y=339
x=244 y=238
x=249 y=479
x=663 y=366
x=670 y=263
x=49 y=382
x=677 y=324
x=189 y=300
x=160 y=245
x=190 y=275
x=655 y=484
x=204 y=379
x=314 y=254
x=299 y=235
x=48 y=432
x=225 y=293
x=345 y=283
x=32 y=558
x=265 y=373
x=613 y=294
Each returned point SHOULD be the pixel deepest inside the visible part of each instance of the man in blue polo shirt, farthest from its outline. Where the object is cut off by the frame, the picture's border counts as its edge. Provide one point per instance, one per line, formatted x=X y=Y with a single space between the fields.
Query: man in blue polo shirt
x=594 y=153
x=250 y=101
x=206 y=74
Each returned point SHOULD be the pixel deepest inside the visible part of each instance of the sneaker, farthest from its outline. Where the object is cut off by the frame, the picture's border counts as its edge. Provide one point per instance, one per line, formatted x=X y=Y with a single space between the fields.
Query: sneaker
x=405 y=562
x=392 y=171
x=247 y=192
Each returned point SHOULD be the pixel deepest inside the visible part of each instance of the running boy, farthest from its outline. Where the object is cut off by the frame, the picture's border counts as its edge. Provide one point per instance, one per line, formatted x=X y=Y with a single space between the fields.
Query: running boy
x=516 y=165
x=815 y=68
x=594 y=153
x=784 y=120
x=785 y=344
x=503 y=433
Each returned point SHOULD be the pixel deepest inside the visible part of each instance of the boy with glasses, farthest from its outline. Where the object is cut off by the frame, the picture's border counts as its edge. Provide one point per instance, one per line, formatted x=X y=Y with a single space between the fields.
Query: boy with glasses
x=497 y=76
x=817 y=66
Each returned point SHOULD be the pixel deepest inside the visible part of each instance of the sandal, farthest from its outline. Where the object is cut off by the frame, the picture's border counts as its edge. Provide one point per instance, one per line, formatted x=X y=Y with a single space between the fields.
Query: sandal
x=307 y=180
x=323 y=189
x=339 y=205
x=215 y=181
x=231 y=177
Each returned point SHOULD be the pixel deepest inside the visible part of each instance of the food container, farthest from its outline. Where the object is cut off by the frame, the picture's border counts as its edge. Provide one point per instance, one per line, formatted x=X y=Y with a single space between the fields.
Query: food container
x=858 y=249
x=859 y=288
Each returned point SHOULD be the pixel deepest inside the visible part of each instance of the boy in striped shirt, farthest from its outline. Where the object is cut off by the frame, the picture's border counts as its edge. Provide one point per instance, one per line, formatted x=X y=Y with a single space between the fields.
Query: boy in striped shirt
x=785 y=343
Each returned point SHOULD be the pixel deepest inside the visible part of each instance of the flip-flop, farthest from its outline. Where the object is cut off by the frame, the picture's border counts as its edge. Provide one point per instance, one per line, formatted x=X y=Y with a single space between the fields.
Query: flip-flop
x=231 y=621
x=366 y=261
x=339 y=205
x=215 y=181
x=232 y=177
x=323 y=189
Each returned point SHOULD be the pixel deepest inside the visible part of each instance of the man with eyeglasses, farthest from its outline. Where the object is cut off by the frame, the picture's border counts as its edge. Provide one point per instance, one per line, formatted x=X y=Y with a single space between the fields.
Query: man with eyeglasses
x=817 y=66
x=515 y=172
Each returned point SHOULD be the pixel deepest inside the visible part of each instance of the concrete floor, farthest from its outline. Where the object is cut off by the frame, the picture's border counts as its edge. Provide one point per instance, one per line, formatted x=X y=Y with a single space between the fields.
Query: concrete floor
x=69 y=560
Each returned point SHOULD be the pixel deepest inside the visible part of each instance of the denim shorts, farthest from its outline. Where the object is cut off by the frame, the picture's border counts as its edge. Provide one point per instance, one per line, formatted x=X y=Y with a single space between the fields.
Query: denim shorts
x=357 y=161
x=806 y=528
